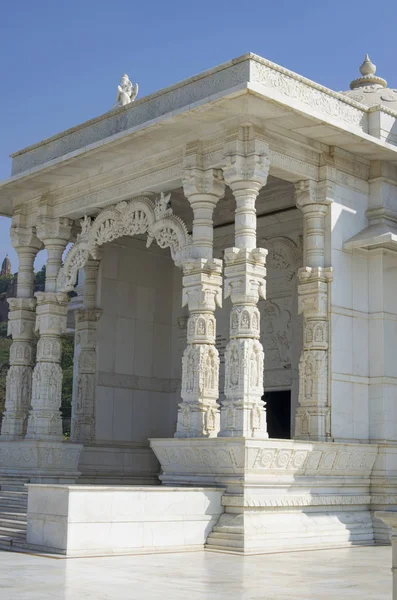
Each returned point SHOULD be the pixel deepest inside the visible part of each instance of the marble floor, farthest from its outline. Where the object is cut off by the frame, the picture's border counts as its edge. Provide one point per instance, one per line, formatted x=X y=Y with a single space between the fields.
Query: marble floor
x=319 y=575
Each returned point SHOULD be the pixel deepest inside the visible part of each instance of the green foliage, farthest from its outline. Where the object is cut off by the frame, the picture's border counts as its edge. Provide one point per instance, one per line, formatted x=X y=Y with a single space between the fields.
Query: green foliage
x=39 y=280
x=5 y=281
x=67 y=382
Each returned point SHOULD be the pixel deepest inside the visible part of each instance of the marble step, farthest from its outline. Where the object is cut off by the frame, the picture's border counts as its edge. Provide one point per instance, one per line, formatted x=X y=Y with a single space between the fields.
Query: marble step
x=220 y=541
x=15 y=534
x=13 y=523
x=16 y=501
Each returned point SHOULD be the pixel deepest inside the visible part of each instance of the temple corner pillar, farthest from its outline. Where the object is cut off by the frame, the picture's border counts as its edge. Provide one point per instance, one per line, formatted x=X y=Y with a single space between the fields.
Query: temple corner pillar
x=313 y=418
x=21 y=325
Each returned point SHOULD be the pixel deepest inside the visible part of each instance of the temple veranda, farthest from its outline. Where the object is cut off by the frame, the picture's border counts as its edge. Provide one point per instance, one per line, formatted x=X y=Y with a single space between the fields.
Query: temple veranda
x=232 y=243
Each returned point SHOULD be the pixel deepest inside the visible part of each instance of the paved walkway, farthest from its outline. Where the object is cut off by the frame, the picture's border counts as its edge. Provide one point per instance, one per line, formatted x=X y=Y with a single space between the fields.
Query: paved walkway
x=362 y=573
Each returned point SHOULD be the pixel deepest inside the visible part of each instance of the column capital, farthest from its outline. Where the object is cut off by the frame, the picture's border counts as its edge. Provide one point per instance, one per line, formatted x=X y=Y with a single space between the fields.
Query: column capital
x=246 y=159
x=24 y=239
x=245 y=273
x=202 y=284
x=198 y=179
x=53 y=230
x=309 y=193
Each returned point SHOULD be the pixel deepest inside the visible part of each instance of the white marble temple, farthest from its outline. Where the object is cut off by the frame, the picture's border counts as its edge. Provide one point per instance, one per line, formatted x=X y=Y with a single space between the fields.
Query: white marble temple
x=234 y=242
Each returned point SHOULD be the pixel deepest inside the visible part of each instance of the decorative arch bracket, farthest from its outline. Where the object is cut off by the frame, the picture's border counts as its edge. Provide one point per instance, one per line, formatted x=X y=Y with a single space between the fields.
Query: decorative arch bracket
x=128 y=218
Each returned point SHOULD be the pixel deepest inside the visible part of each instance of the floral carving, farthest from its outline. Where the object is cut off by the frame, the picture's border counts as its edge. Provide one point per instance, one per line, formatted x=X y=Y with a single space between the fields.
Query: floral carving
x=136 y=217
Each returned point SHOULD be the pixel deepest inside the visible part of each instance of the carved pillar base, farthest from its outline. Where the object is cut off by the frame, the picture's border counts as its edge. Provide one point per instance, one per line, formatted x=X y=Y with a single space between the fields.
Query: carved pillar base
x=83 y=405
x=313 y=413
x=45 y=418
x=243 y=412
x=198 y=414
x=19 y=377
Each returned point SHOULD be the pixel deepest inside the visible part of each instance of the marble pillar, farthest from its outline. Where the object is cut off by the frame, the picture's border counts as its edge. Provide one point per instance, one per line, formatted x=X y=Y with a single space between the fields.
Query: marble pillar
x=313 y=412
x=198 y=414
x=21 y=325
x=45 y=421
x=245 y=170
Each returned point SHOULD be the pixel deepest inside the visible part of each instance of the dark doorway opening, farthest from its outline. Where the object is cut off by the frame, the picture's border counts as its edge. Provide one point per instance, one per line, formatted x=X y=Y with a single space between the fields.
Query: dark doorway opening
x=278 y=413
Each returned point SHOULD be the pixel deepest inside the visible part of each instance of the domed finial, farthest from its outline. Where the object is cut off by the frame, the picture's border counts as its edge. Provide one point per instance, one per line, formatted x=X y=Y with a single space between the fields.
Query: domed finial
x=368 y=78
x=368 y=67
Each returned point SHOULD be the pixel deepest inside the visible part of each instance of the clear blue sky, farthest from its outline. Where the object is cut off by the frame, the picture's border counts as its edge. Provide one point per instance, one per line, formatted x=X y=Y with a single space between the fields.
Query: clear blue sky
x=61 y=61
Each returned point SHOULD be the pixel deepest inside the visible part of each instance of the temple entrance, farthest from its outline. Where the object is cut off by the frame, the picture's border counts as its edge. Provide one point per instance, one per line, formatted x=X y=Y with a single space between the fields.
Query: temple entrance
x=278 y=411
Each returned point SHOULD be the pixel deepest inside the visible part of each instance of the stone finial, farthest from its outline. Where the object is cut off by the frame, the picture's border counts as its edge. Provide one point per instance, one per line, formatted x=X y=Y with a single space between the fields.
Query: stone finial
x=126 y=92
x=368 y=70
x=368 y=67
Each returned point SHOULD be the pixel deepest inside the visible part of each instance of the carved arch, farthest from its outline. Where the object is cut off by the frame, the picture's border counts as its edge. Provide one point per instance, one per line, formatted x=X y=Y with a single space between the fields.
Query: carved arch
x=128 y=218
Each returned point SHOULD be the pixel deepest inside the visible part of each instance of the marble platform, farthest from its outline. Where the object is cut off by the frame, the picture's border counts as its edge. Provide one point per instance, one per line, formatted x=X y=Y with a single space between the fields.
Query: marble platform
x=104 y=520
x=350 y=573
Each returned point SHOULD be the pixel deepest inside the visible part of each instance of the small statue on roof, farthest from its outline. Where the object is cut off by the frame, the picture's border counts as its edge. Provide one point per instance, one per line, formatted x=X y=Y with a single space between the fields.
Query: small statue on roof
x=126 y=92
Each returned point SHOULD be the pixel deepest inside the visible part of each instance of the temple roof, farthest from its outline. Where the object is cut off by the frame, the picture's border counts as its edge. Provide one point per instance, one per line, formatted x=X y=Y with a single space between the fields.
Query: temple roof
x=6 y=266
x=370 y=89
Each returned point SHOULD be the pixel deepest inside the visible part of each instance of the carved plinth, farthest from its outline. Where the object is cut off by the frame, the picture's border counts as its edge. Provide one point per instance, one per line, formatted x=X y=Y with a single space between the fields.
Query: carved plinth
x=46 y=462
x=45 y=418
x=198 y=414
x=19 y=377
x=83 y=405
x=243 y=411
x=279 y=494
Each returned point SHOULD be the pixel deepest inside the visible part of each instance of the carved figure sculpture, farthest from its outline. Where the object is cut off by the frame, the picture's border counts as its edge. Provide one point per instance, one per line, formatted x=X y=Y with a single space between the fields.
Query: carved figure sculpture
x=126 y=92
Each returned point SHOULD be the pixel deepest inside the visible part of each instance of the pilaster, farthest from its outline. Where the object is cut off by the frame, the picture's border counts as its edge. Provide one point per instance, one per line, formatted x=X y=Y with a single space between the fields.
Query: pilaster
x=21 y=327
x=83 y=405
x=313 y=413
x=245 y=170
x=85 y=359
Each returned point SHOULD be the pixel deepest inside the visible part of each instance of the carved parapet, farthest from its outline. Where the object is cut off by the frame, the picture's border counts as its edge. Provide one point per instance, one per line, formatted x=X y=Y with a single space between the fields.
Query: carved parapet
x=245 y=273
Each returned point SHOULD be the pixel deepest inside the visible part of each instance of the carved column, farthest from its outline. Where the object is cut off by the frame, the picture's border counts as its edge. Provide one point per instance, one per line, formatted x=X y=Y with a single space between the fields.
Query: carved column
x=313 y=413
x=86 y=323
x=198 y=414
x=21 y=323
x=246 y=169
x=45 y=418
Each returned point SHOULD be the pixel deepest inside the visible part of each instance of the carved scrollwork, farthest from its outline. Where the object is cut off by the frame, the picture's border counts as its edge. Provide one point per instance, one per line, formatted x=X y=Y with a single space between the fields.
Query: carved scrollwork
x=136 y=217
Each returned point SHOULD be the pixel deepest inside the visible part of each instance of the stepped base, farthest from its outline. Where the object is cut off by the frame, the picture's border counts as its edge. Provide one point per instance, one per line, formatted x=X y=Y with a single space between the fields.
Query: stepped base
x=13 y=513
x=280 y=495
